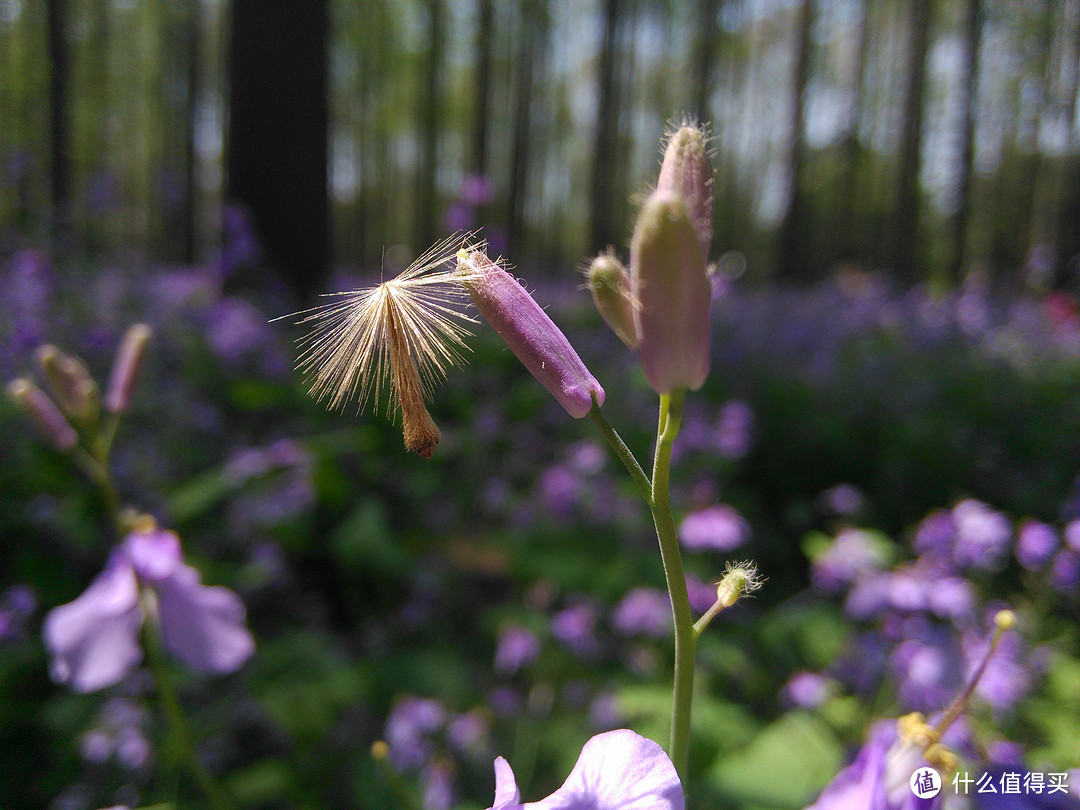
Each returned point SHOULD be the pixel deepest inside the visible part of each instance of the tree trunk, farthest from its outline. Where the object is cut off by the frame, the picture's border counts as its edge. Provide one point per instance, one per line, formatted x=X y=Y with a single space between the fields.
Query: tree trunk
x=482 y=109
x=792 y=254
x=605 y=141
x=59 y=150
x=905 y=255
x=704 y=59
x=277 y=140
x=429 y=103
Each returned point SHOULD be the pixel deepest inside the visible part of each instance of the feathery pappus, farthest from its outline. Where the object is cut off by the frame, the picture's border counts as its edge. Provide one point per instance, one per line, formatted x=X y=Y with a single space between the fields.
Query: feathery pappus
x=406 y=332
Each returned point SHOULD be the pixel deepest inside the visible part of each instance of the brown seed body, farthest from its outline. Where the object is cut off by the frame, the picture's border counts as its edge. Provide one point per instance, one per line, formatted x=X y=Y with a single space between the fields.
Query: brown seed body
x=419 y=430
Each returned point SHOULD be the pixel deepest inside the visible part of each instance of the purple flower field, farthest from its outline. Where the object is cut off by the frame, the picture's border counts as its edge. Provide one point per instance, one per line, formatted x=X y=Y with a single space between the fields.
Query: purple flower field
x=344 y=624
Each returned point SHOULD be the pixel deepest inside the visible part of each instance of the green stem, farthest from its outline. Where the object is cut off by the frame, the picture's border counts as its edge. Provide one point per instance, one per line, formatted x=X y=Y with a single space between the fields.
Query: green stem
x=685 y=637
x=623 y=452
x=170 y=704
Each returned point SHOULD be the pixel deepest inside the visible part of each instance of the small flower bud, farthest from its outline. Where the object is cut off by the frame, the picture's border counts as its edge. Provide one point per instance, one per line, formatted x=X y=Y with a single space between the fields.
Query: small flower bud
x=126 y=365
x=75 y=390
x=45 y=414
x=672 y=295
x=529 y=333
x=1005 y=620
x=610 y=286
x=686 y=171
x=739 y=579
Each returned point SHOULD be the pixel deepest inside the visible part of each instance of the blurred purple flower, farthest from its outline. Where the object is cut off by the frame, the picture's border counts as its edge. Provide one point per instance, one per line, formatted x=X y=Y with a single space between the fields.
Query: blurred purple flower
x=437 y=780
x=16 y=605
x=805 y=690
x=734 y=429
x=644 y=610
x=458 y=217
x=1072 y=535
x=575 y=627
x=617 y=770
x=517 y=648
x=842 y=499
x=714 y=528
x=878 y=778
x=475 y=190
x=604 y=712
x=702 y=594
x=408 y=729
x=1035 y=544
x=468 y=732
x=1008 y=674
x=94 y=640
x=935 y=534
x=951 y=598
x=982 y=535
x=853 y=554
x=240 y=242
x=236 y=330
x=1065 y=570
x=560 y=488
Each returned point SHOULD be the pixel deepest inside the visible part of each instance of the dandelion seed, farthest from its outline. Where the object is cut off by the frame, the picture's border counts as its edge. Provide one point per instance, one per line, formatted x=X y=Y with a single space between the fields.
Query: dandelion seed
x=407 y=331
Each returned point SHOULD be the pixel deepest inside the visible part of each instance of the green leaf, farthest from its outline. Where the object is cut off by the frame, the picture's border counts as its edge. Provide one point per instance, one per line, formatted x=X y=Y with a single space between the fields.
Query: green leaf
x=784 y=766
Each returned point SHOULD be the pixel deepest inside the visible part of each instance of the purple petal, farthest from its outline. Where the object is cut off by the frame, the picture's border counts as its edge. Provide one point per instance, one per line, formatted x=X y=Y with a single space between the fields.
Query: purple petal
x=618 y=770
x=860 y=784
x=506 y=790
x=203 y=626
x=155 y=555
x=94 y=640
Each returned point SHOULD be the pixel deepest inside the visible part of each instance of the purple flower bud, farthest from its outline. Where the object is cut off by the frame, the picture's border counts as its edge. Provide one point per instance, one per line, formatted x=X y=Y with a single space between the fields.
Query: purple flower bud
x=687 y=172
x=672 y=295
x=531 y=335
x=45 y=414
x=125 y=367
x=609 y=283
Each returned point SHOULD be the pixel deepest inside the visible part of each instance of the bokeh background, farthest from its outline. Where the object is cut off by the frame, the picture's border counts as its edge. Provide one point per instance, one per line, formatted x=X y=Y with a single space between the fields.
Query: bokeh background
x=891 y=428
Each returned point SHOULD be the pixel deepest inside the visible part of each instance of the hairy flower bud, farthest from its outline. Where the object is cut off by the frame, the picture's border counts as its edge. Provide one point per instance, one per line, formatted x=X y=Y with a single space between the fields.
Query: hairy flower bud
x=125 y=367
x=672 y=295
x=45 y=414
x=610 y=285
x=529 y=333
x=686 y=171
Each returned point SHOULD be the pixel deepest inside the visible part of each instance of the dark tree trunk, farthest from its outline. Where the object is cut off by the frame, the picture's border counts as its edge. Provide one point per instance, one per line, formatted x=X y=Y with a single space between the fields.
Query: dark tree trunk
x=530 y=70
x=606 y=138
x=792 y=254
x=484 y=35
x=188 y=235
x=958 y=225
x=429 y=104
x=905 y=256
x=277 y=141
x=704 y=59
x=59 y=151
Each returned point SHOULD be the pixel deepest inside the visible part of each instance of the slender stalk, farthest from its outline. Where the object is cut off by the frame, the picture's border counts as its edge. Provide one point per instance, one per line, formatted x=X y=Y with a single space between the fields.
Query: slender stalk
x=170 y=704
x=644 y=485
x=685 y=637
